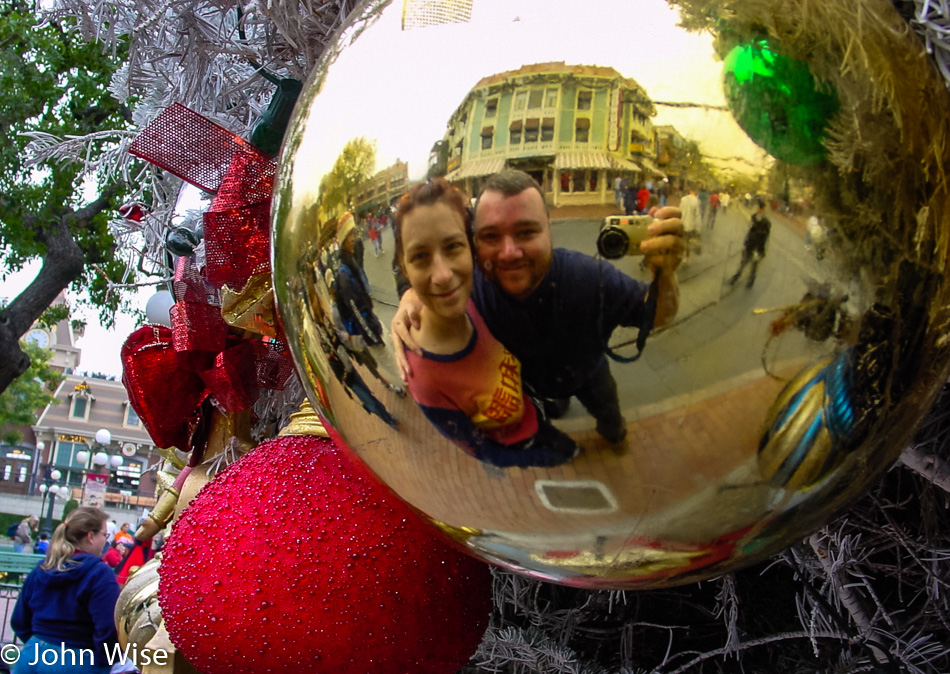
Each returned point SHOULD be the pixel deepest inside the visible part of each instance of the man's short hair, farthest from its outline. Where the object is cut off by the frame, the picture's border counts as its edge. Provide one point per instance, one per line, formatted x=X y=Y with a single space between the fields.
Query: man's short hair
x=510 y=183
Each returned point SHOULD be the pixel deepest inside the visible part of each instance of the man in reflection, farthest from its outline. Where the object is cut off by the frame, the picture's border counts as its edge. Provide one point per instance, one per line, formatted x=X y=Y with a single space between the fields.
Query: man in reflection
x=754 y=248
x=553 y=308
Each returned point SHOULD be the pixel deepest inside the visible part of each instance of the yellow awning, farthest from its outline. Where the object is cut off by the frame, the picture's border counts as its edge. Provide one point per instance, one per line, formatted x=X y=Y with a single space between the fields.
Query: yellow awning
x=477 y=168
x=581 y=160
x=625 y=165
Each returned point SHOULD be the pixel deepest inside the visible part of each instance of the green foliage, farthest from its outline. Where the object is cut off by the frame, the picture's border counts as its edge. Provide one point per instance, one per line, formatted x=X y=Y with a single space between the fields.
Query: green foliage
x=354 y=166
x=55 y=84
x=69 y=506
x=53 y=315
x=28 y=394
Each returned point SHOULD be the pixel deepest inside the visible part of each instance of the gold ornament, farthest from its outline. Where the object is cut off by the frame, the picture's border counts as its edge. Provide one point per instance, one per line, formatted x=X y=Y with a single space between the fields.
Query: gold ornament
x=737 y=432
x=137 y=613
x=228 y=440
x=304 y=422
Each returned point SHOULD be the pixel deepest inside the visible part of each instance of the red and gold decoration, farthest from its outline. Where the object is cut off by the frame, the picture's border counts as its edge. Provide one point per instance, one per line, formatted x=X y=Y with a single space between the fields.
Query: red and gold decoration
x=297 y=559
x=833 y=113
x=204 y=357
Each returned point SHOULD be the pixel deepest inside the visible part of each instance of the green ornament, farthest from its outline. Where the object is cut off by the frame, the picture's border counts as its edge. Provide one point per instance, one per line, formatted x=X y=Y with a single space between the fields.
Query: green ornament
x=776 y=101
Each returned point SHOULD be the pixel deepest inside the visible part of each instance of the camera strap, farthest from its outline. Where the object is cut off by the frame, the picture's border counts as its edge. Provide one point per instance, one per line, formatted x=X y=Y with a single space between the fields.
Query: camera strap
x=646 y=326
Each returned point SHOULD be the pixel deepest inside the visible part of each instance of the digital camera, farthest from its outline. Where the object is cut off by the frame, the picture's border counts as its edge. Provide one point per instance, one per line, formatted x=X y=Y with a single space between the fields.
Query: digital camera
x=621 y=235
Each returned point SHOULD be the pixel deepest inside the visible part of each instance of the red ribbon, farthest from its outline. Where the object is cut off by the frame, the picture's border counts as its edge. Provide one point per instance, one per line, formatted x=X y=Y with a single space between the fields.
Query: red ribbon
x=166 y=396
x=237 y=225
x=169 y=374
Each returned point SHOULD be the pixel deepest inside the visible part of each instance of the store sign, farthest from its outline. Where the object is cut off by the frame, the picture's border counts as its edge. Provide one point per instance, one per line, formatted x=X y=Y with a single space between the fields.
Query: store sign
x=94 y=490
x=18 y=455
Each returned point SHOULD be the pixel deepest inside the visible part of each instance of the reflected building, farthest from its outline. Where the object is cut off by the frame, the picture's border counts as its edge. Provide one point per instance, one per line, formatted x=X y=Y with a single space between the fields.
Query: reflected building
x=382 y=188
x=672 y=154
x=574 y=128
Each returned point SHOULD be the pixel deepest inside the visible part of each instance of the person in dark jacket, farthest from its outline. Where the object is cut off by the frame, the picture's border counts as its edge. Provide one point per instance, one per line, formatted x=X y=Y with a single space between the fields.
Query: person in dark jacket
x=352 y=288
x=754 y=248
x=64 y=612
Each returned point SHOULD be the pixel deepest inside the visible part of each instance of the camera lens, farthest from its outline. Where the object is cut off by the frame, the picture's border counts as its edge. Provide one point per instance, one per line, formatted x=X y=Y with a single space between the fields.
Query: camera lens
x=612 y=243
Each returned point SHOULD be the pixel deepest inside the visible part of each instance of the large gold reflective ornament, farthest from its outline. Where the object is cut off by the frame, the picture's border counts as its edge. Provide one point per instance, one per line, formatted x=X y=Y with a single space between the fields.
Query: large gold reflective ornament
x=810 y=333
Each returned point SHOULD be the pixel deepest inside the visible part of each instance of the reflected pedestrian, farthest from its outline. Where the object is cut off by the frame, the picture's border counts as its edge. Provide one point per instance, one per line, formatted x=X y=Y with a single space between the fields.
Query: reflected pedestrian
x=754 y=249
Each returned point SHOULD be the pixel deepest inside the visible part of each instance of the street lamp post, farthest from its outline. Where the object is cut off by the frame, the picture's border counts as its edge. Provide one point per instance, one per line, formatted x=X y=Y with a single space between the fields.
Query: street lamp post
x=99 y=458
x=37 y=455
x=50 y=487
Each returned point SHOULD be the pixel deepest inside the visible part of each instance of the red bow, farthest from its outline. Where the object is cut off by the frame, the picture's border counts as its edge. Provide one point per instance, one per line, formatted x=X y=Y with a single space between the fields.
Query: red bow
x=170 y=374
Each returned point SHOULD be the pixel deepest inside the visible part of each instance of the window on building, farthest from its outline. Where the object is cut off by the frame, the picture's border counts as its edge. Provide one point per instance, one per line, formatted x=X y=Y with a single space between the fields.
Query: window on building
x=22 y=475
x=487 y=133
x=579 y=181
x=131 y=418
x=535 y=98
x=581 y=130
x=514 y=132
x=7 y=470
x=531 y=127
x=584 y=99
x=64 y=458
x=547 y=129
x=593 y=180
x=491 y=107
x=127 y=476
x=79 y=407
x=521 y=98
x=565 y=181
x=550 y=98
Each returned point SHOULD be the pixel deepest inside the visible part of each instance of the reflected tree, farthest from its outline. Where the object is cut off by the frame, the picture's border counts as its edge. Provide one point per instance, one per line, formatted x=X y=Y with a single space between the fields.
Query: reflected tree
x=353 y=167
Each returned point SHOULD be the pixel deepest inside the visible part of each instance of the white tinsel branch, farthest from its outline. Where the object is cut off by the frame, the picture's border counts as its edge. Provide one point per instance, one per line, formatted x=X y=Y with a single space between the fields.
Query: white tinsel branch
x=932 y=22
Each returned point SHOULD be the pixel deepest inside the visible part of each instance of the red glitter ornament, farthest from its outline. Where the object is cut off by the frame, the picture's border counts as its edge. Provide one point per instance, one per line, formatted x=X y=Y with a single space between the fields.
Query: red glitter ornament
x=296 y=559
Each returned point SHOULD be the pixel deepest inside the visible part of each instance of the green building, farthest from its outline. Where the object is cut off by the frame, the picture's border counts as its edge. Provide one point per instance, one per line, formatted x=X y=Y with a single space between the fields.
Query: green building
x=574 y=128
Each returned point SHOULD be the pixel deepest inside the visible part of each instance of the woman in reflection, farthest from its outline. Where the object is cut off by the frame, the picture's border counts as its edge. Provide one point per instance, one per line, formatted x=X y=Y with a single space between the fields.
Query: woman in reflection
x=466 y=382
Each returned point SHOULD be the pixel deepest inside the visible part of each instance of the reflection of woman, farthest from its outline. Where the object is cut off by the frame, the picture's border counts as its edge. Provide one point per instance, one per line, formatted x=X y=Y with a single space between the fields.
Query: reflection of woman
x=466 y=382
x=352 y=289
x=64 y=611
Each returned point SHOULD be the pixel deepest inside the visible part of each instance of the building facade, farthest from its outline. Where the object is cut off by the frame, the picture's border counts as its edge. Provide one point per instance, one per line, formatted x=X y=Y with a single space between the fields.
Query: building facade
x=574 y=128
x=380 y=190
x=86 y=403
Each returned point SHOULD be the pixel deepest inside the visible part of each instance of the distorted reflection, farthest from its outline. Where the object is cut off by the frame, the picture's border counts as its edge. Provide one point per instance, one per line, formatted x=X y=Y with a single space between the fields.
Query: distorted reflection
x=466 y=382
x=656 y=303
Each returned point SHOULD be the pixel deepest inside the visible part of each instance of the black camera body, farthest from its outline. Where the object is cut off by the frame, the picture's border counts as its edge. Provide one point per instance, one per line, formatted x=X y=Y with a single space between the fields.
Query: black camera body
x=621 y=235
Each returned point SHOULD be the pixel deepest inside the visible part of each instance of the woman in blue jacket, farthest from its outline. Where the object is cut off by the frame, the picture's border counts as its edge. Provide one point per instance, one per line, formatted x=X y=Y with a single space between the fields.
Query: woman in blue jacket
x=64 y=613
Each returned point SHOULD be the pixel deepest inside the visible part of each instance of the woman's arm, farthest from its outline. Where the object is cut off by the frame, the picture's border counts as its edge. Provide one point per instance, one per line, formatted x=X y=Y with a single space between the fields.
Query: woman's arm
x=103 y=594
x=22 y=620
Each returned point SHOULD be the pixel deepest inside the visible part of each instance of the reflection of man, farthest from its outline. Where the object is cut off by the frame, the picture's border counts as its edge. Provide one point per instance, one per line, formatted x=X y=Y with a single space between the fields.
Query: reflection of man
x=554 y=308
x=754 y=249
x=689 y=212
